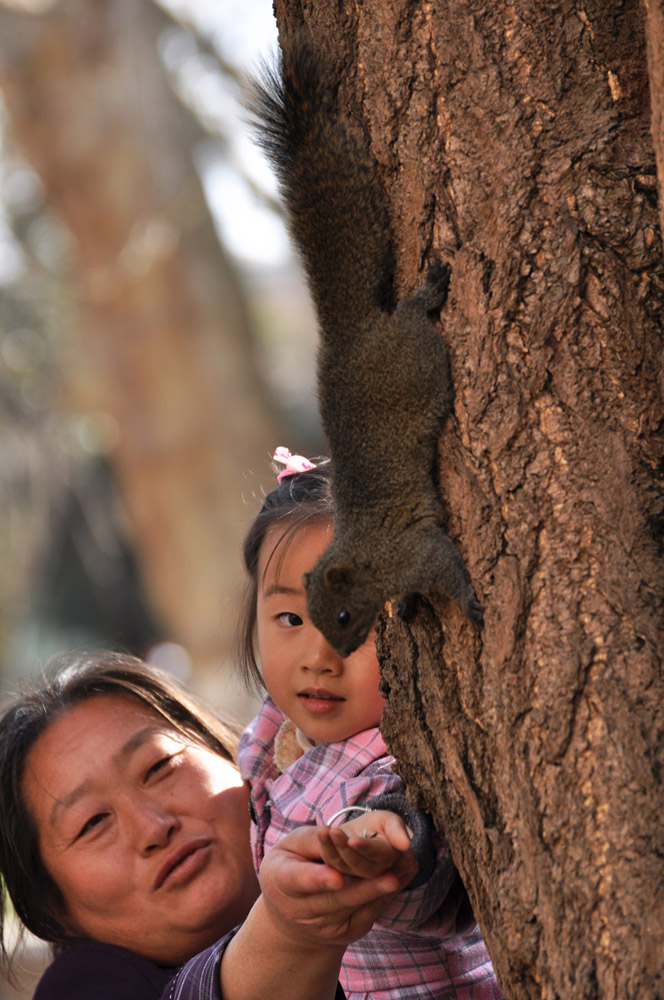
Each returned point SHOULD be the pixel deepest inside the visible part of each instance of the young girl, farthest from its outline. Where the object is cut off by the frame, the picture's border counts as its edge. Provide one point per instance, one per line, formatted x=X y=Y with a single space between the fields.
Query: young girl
x=314 y=751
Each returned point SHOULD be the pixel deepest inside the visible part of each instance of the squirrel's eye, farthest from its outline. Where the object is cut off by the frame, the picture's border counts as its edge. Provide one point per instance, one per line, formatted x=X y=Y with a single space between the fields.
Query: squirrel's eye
x=343 y=617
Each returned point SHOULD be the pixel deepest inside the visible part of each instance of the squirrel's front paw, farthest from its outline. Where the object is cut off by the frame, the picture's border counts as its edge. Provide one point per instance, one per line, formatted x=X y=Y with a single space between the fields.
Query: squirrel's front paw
x=475 y=612
x=407 y=607
x=434 y=291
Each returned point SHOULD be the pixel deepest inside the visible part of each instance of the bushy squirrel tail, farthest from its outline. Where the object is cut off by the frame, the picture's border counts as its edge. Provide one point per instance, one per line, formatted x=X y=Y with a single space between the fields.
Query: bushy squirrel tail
x=336 y=208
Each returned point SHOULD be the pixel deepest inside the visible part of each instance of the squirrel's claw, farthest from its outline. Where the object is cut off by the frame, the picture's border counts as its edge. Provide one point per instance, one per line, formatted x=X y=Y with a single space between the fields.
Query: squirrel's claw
x=475 y=612
x=406 y=607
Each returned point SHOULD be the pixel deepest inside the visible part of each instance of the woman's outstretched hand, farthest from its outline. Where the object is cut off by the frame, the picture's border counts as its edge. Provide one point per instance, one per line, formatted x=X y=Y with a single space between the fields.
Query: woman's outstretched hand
x=292 y=943
x=365 y=847
x=336 y=902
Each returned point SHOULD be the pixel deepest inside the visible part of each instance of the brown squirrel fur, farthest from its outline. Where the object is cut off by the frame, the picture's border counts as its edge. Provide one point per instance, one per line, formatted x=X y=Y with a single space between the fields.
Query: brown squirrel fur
x=384 y=386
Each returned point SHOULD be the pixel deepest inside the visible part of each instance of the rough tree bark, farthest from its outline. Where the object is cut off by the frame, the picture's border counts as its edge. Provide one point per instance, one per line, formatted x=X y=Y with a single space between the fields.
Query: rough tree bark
x=513 y=139
x=164 y=345
x=655 y=47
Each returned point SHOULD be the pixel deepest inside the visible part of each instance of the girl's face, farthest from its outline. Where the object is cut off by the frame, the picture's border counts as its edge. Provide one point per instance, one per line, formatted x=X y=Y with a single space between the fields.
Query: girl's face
x=327 y=697
x=145 y=833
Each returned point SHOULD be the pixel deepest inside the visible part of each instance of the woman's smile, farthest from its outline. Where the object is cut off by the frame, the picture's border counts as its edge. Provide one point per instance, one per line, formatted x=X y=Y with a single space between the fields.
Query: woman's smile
x=184 y=863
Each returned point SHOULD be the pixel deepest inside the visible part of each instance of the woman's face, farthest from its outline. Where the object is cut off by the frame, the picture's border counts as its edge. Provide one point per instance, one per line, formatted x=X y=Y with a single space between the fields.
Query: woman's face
x=145 y=833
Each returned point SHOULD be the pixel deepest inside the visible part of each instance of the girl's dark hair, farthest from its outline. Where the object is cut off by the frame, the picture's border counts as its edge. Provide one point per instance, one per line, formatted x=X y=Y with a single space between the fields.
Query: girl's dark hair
x=35 y=896
x=299 y=499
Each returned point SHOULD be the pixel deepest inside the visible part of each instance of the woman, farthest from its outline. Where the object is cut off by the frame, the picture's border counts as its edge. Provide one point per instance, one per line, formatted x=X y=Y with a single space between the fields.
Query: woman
x=124 y=841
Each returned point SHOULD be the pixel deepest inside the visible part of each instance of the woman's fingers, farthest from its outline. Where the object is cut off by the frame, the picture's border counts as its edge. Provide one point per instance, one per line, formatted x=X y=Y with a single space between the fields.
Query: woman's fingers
x=363 y=857
x=306 y=908
x=315 y=902
x=387 y=824
x=395 y=831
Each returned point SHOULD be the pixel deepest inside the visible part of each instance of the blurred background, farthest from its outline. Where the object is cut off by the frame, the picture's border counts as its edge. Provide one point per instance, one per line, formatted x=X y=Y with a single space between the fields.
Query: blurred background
x=156 y=337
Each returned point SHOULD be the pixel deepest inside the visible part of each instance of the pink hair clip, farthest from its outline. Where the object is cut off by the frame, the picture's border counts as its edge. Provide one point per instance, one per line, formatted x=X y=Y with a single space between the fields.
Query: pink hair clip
x=293 y=463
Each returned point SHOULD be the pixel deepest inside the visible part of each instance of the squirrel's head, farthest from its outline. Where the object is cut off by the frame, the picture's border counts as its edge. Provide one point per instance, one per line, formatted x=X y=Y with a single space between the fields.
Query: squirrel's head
x=339 y=606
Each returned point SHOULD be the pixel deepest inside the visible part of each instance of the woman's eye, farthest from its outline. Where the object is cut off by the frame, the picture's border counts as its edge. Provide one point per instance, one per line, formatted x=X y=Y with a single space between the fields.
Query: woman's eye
x=159 y=764
x=289 y=619
x=91 y=824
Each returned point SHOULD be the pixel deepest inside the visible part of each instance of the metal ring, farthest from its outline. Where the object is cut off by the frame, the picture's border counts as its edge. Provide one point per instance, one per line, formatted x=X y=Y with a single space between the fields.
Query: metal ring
x=347 y=809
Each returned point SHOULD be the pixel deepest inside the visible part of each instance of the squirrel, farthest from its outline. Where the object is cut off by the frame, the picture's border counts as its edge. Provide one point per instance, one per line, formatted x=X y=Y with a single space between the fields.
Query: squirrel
x=384 y=386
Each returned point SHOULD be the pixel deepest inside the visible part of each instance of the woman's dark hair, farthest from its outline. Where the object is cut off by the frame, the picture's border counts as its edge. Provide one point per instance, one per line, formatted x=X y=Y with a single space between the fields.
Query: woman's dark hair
x=299 y=499
x=33 y=893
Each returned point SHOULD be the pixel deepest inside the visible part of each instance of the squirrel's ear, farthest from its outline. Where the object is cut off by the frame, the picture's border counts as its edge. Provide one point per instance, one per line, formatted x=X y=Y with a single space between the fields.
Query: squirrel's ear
x=339 y=576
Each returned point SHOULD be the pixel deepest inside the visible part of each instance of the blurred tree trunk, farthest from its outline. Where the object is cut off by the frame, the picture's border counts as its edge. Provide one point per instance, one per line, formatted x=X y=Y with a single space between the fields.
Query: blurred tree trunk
x=164 y=343
x=513 y=140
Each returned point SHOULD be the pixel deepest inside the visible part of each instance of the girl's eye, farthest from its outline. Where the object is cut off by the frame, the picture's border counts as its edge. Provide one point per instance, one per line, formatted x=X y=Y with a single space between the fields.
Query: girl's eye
x=90 y=824
x=289 y=619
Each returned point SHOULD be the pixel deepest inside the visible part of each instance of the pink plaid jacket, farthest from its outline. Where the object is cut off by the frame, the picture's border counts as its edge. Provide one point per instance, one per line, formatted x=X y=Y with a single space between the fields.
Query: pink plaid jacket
x=414 y=951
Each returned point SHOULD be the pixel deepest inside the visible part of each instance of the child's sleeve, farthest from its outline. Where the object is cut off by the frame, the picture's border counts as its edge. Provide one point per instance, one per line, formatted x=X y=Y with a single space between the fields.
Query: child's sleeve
x=437 y=906
x=339 y=776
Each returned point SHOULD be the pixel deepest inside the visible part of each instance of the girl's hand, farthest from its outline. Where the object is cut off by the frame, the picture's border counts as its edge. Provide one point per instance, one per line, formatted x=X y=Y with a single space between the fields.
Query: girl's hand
x=313 y=904
x=365 y=847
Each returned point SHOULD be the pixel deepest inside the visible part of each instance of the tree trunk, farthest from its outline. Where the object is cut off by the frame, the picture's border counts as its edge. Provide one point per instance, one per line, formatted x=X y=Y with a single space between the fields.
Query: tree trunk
x=164 y=344
x=655 y=48
x=513 y=140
